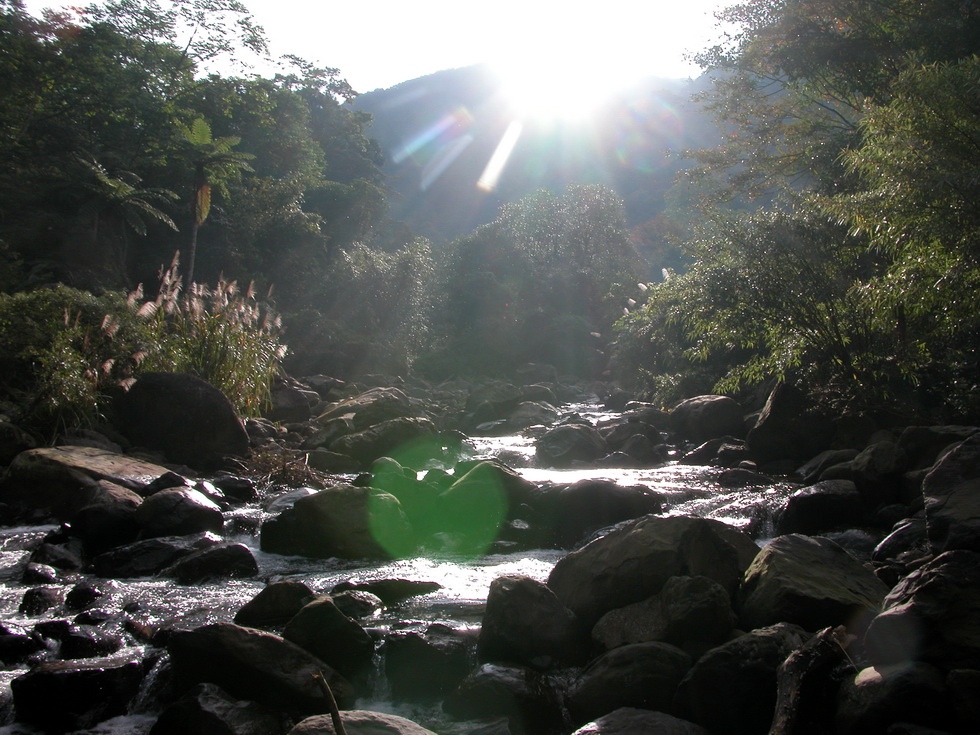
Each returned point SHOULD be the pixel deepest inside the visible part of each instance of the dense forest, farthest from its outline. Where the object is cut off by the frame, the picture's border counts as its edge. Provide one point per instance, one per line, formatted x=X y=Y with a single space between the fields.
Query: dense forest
x=822 y=228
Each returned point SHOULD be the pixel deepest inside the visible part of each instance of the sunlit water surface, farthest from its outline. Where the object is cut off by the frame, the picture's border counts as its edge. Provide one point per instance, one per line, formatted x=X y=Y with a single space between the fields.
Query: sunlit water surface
x=460 y=602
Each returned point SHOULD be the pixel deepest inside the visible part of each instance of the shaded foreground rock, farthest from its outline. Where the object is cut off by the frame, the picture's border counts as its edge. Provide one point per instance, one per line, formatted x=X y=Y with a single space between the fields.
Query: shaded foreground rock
x=253 y=665
x=633 y=721
x=635 y=560
x=208 y=710
x=360 y=722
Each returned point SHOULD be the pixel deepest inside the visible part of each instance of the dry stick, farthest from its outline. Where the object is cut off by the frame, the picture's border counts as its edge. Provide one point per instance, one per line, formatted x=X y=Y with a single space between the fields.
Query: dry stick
x=338 y=724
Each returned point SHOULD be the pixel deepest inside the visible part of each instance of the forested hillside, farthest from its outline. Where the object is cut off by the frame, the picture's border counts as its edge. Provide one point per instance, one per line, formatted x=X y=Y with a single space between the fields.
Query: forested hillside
x=828 y=235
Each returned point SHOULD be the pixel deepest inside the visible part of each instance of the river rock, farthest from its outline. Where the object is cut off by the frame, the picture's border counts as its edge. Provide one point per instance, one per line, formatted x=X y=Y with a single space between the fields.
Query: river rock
x=468 y=515
x=633 y=721
x=151 y=556
x=875 y=699
x=781 y=430
x=17 y=645
x=216 y=562
x=907 y=536
x=686 y=611
x=952 y=498
x=389 y=591
x=395 y=436
x=37 y=600
x=109 y=519
x=88 y=641
x=426 y=666
x=932 y=615
x=644 y=675
x=876 y=472
x=57 y=482
x=809 y=581
x=320 y=628
x=13 y=441
x=568 y=444
x=357 y=604
x=370 y=407
x=525 y=623
x=208 y=710
x=528 y=699
x=702 y=418
x=732 y=688
x=360 y=722
x=178 y=512
x=924 y=445
x=635 y=560
x=343 y=521
x=825 y=506
x=291 y=401
x=588 y=505
x=254 y=665
x=185 y=417
x=531 y=413
x=811 y=470
x=275 y=604
x=63 y=696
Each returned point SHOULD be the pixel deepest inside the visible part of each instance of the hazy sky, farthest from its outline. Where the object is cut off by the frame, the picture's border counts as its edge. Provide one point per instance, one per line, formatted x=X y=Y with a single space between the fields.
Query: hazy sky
x=382 y=42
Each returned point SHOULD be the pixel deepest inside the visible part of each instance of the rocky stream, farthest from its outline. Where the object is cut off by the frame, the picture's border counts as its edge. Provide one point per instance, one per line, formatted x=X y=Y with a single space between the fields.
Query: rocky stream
x=491 y=559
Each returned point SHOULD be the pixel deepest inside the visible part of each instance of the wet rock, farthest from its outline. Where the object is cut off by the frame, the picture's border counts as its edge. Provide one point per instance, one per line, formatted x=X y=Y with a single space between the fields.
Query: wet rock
x=813 y=468
x=732 y=688
x=529 y=700
x=811 y=582
x=86 y=692
x=35 y=573
x=876 y=472
x=525 y=623
x=688 y=611
x=426 y=666
x=192 y=422
x=390 y=591
x=150 y=557
x=371 y=407
x=85 y=594
x=324 y=460
x=388 y=437
x=644 y=675
x=924 y=444
x=178 y=512
x=357 y=603
x=87 y=641
x=254 y=665
x=275 y=605
x=702 y=418
x=323 y=630
x=635 y=560
x=17 y=645
x=568 y=444
x=360 y=722
x=208 y=710
x=58 y=481
x=932 y=615
x=908 y=535
x=342 y=521
x=531 y=413
x=711 y=452
x=67 y=557
x=588 y=505
x=825 y=506
x=216 y=562
x=873 y=700
x=109 y=519
x=952 y=498
x=40 y=599
x=633 y=721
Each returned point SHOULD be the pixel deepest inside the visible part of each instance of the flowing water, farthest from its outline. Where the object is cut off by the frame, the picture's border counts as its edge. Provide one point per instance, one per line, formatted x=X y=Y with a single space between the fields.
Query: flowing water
x=687 y=490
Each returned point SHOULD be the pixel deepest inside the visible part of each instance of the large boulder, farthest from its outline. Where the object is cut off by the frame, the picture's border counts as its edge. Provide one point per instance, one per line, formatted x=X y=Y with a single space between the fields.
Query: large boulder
x=923 y=445
x=342 y=521
x=635 y=560
x=208 y=710
x=63 y=696
x=569 y=444
x=401 y=435
x=275 y=604
x=109 y=519
x=188 y=419
x=370 y=407
x=687 y=611
x=932 y=615
x=873 y=700
x=526 y=624
x=254 y=665
x=178 y=511
x=150 y=556
x=360 y=722
x=702 y=418
x=784 y=431
x=876 y=472
x=426 y=665
x=825 y=506
x=809 y=581
x=732 y=688
x=952 y=498
x=588 y=505
x=222 y=561
x=633 y=721
x=57 y=482
x=323 y=630
x=636 y=675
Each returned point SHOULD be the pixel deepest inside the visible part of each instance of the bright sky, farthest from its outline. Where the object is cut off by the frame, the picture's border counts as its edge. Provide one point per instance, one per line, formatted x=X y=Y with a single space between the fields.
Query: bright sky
x=379 y=43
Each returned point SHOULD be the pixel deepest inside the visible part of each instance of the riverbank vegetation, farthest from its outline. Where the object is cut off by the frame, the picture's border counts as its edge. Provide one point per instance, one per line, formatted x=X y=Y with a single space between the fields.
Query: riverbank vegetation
x=832 y=238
